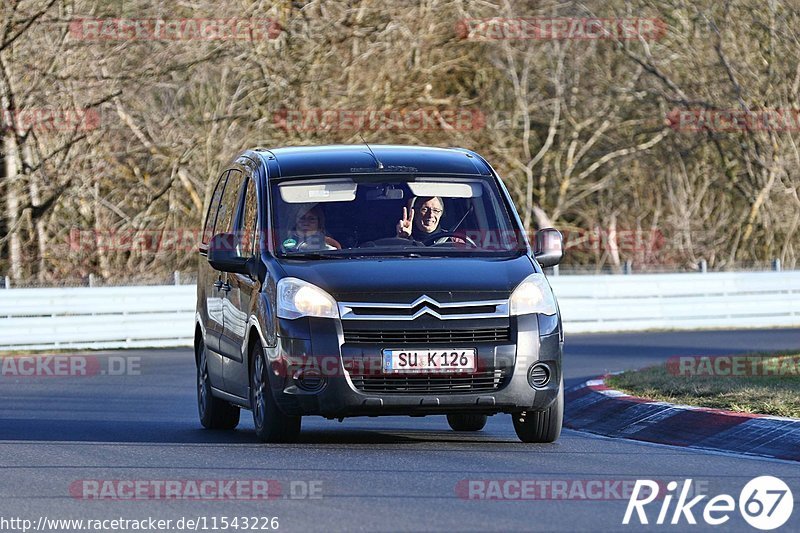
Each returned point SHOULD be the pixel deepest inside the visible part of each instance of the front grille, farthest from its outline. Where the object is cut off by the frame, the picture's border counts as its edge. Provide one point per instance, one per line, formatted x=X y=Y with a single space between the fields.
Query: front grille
x=423 y=337
x=365 y=311
x=424 y=305
x=487 y=381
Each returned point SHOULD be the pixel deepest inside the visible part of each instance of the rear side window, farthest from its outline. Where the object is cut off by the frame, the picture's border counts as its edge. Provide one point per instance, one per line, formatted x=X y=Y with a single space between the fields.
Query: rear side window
x=213 y=207
x=247 y=231
x=230 y=198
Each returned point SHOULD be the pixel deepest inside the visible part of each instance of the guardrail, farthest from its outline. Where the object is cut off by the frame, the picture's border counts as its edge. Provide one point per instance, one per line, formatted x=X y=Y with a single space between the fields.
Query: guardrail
x=678 y=301
x=101 y=317
x=162 y=316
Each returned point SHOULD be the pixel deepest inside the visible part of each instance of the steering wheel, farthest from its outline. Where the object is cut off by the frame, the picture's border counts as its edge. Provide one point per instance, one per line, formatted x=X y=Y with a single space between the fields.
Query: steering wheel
x=391 y=241
x=430 y=240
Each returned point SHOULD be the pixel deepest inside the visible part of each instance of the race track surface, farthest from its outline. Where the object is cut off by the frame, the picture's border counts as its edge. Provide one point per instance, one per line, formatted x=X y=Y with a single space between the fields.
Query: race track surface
x=368 y=474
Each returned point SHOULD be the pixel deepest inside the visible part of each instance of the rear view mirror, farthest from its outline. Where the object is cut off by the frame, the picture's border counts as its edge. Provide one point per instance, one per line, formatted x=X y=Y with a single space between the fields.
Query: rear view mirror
x=548 y=247
x=388 y=193
x=222 y=254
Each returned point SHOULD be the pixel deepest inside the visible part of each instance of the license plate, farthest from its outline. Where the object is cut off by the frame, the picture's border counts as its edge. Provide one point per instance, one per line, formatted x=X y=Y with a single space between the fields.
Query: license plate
x=424 y=360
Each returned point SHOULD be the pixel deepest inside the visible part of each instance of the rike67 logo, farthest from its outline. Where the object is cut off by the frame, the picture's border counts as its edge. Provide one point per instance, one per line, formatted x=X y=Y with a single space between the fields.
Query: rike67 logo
x=765 y=503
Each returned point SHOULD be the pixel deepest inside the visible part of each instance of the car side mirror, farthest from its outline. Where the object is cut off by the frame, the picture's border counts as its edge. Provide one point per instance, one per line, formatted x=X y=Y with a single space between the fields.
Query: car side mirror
x=222 y=255
x=548 y=247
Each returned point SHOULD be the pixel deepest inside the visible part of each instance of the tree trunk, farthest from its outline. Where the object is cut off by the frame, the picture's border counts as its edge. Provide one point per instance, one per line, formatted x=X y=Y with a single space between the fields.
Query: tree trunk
x=39 y=224
x=12 y=204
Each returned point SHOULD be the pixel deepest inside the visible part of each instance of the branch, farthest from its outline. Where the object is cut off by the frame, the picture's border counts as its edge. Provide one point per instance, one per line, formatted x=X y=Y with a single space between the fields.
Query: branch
x=8 y=42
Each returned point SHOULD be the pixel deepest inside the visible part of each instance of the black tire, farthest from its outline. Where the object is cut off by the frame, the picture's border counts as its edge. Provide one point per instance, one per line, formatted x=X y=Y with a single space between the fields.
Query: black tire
x=272 y=425
x=541 y=426
x=214 y=413
x=466 y=421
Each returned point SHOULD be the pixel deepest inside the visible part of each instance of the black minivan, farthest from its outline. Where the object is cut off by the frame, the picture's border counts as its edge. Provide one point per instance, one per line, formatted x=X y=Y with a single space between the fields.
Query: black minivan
x=345 y=281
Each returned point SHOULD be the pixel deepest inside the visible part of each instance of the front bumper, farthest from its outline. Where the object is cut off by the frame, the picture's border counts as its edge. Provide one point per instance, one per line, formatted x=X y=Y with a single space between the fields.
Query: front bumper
x=336 y=365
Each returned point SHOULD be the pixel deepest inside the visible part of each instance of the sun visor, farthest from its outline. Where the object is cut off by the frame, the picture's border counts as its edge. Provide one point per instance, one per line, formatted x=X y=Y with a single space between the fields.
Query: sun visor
x=306 y=191
x=445 y=189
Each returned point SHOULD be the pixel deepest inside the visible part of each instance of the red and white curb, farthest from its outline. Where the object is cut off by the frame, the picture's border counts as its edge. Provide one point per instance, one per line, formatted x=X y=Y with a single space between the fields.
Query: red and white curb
x=596 y=408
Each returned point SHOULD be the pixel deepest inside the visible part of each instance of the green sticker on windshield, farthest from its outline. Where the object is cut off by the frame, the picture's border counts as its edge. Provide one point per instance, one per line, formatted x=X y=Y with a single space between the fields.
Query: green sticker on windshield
x=289 y=243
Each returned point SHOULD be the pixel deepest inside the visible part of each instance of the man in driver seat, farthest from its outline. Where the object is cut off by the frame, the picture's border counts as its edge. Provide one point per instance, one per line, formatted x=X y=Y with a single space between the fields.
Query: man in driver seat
x=424 y=227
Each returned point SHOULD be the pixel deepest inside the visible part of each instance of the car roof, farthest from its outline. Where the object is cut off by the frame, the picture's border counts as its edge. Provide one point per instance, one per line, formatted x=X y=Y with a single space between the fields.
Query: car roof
x=356 y=158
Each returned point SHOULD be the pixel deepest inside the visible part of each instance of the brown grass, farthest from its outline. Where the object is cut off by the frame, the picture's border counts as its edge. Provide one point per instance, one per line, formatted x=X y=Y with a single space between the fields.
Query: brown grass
x=769 y=394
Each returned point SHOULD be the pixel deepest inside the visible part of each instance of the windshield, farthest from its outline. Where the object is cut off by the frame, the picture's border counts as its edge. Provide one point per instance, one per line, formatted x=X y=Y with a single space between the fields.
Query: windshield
x=379 y=215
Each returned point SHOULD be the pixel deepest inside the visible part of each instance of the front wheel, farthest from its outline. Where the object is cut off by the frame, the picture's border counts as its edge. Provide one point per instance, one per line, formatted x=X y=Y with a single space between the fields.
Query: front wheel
x=541 y=426
x=272 y=425
x=466 y=421
x=214 y=412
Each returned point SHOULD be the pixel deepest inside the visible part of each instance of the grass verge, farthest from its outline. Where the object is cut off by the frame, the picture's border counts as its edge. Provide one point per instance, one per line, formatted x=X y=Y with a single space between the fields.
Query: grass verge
x=766 y=384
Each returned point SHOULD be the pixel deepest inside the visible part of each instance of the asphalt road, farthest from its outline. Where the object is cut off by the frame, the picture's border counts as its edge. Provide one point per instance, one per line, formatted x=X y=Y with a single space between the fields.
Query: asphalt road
x=368 y=474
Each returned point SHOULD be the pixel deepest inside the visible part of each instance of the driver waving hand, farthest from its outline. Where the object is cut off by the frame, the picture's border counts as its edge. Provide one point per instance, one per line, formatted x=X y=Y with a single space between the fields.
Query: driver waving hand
x=424 y=226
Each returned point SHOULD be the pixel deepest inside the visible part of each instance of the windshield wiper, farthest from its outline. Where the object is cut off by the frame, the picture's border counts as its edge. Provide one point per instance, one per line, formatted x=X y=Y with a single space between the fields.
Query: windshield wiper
x=387 y=252
x=313 y=255
x=395 y=254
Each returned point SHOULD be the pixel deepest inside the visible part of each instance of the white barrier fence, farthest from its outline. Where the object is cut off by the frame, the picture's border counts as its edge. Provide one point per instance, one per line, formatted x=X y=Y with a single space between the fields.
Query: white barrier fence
x=102 y=317
x=162 y=316
x=678 y=301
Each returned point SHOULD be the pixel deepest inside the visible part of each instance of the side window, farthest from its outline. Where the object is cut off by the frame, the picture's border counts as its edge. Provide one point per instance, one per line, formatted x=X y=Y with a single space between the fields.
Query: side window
x=213 y=207
x=247 y=231
x=230 y=199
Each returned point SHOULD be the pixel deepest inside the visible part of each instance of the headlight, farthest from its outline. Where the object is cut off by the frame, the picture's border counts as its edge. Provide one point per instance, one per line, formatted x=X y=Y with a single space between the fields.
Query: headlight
x=533 y=295
x=298 y=298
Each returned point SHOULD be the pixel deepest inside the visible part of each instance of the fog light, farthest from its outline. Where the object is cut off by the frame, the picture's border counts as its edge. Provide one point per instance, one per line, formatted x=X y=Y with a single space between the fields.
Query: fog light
x=538 y=375
x=309 y=380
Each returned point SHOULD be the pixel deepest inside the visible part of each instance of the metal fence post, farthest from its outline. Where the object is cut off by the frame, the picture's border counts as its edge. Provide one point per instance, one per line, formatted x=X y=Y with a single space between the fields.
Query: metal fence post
x=776 y=265
x=703 y=265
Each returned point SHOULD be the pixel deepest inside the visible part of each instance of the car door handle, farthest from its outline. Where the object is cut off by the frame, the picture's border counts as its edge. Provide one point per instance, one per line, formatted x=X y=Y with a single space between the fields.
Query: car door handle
x=222 y=286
